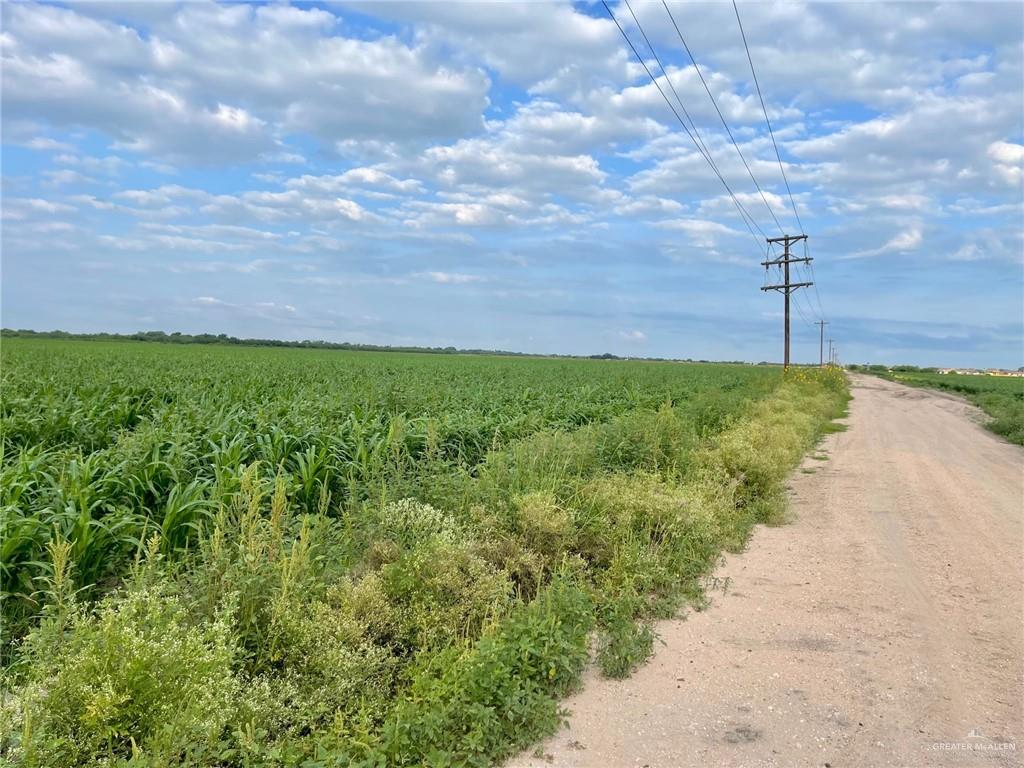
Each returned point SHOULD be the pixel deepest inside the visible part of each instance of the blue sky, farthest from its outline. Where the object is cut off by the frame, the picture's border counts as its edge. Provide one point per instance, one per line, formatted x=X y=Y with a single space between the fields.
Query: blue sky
x=504 y=175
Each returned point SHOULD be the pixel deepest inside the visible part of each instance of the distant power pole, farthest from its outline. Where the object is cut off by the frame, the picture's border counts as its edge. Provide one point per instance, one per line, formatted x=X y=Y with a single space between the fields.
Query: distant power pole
x=830 y=357
x=821 y=343
x=785 y=287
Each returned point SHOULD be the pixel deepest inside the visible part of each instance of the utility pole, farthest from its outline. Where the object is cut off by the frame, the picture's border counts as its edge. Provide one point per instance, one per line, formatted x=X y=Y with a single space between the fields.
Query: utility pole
x=830 y=358
x=786 y=287
x=821 y=343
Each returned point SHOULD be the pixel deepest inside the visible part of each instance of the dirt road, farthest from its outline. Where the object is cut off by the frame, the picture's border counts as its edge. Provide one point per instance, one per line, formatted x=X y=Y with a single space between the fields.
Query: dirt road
x=883 y=626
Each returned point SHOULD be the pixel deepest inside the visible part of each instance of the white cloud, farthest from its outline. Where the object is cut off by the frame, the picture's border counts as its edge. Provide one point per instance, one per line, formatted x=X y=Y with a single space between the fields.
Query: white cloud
x=213 y=84
x=901 y=243
x=110 y=165
x=349 y=209
x=356 y=179
x=702 y=233
x=48 y=145
x=261 y=310
x=544 y=126
x=161 y=195
x=208 y=301
x=968 y=252
x=15 y=206
x=516 y=40
x=649 y=205
x=634 y=336
x=452 y=278
x=1009 y=159
x=65 y=177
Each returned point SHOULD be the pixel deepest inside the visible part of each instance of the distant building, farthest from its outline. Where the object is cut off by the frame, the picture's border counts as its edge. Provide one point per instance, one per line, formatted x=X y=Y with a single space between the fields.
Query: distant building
x=1019 y=373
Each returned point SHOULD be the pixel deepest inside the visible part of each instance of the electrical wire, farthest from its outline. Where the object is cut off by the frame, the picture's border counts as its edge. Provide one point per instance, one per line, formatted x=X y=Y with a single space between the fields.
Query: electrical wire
x=744 y=214
x=721 y=117
x=810 y=309
x=808 y=265
x=664 y=72
x=765 y=110
x=814 y=280
x=693 y=132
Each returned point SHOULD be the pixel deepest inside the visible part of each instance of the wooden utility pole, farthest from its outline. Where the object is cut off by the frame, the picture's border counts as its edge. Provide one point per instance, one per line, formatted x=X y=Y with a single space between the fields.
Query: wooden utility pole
x=785 y=287
x=821 y=343
x=830 y=357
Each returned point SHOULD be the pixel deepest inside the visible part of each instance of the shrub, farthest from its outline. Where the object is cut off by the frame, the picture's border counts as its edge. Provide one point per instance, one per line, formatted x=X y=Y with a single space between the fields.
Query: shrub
x=502 y=695
x=623 y=644
x=135 y=678
x=640 y=503
x=544 y=524
x=326 y=669
x=410 y=523
x=443 y=593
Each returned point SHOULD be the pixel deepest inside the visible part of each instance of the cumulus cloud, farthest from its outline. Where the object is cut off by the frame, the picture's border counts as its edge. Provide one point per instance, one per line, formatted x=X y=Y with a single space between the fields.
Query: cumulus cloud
x=47 y=144
x=452 y=278
x=369 y=181
x=634 y=336
x=212 y=84
x=1009 y=159
x=702 y=233
x=517 y=40
x=901 y=243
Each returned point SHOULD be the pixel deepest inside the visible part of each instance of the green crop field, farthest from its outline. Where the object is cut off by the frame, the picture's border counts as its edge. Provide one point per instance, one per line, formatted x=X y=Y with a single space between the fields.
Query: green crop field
x=1001 y=397
x=234 y=556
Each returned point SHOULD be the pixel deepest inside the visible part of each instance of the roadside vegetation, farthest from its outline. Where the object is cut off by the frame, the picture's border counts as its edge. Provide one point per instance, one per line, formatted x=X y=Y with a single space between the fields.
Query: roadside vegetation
x=257 y=557
x=1001 y=397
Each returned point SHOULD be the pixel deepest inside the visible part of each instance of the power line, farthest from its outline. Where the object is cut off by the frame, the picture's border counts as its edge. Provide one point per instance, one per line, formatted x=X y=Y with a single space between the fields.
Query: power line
x=807 y=265
x=702 y=146
x=805 y=278
x=802 y=276
x=817 y=296
x=744 y=214
x=804 y=271
x=693 y=124
x=721 y=117
x=765 y=110
x=800 y=311
x=695 y=134
x=786 y=287
x=807 y=268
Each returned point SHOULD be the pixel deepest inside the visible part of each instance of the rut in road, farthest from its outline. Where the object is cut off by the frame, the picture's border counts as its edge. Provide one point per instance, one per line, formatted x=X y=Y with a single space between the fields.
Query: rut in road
x=883 y=626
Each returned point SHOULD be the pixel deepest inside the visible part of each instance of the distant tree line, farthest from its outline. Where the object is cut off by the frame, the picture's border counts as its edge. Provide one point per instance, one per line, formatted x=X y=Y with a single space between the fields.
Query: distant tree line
x=875 y=368
x=223 y=338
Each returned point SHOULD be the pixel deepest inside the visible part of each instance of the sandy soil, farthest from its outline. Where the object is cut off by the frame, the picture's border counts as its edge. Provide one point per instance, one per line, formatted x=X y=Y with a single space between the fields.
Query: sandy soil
x=883 y=626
